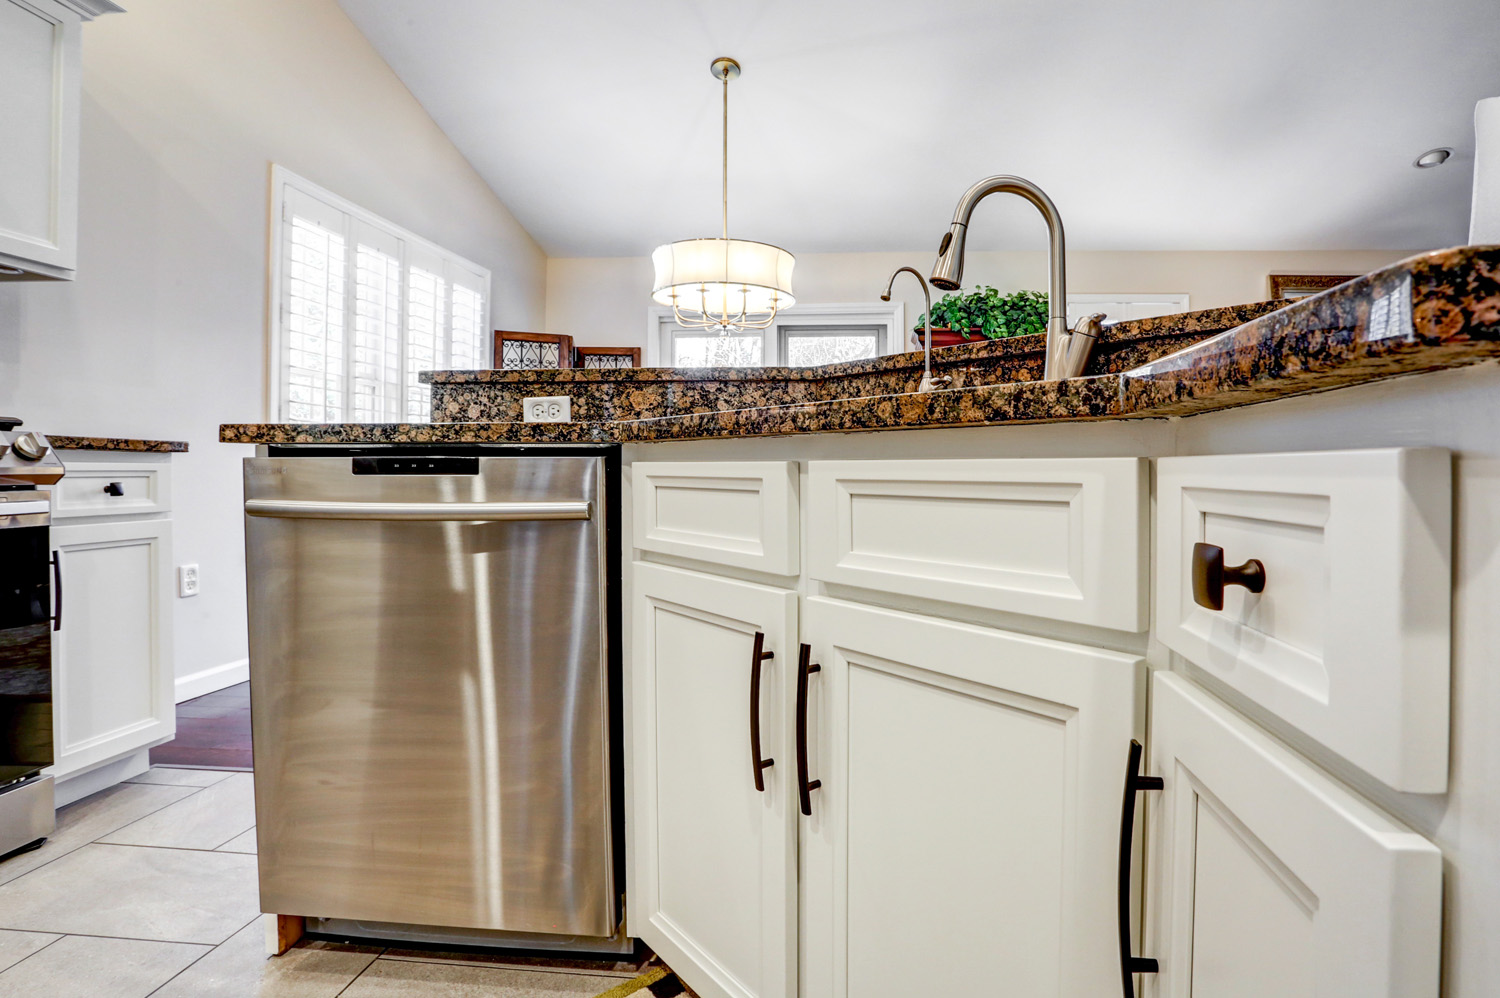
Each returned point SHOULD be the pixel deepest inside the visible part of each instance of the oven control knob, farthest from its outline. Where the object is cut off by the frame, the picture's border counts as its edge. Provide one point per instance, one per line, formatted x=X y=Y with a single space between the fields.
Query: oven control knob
x=29 y=447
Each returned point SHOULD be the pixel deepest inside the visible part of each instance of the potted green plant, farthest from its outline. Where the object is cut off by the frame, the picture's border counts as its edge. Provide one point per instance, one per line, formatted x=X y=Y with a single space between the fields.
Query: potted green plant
x=984 y=312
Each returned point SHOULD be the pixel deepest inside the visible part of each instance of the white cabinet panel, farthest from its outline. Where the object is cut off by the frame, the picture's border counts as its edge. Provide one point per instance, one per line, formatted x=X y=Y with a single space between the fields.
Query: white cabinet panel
x=112 y=489
x=111 y=659
x=741 y=513
x=1058 y=538
x=965 y=837
x=40 y=78
x=1267 y=878
x=714 y=888
x=1349 y=640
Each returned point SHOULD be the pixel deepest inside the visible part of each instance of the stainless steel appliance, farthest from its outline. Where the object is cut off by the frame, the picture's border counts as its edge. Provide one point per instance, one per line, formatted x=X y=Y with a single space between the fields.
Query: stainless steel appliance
x=30 y=609
x=430 y=690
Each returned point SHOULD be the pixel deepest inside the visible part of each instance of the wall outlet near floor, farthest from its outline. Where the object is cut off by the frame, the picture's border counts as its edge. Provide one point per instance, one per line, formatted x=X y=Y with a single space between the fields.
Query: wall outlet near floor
x=547 y=409
x=187 y=580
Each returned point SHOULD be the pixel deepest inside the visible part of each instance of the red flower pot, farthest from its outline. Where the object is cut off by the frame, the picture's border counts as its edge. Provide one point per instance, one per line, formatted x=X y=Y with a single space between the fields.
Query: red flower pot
x=949 y=337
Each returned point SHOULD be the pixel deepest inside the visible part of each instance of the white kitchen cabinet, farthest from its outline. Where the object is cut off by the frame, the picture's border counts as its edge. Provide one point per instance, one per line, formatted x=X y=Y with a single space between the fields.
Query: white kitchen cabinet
x=1268 y=878
x=742 y=514
x=40 y=76
x=112 y=656
x=1060 y=538
x=1348 y=638
x=964 y=839
x=713 y=887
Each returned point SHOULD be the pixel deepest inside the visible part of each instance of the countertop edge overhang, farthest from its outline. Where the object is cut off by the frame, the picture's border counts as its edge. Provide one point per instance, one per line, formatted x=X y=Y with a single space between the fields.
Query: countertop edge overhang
x=1431 y=312
x=132 y=444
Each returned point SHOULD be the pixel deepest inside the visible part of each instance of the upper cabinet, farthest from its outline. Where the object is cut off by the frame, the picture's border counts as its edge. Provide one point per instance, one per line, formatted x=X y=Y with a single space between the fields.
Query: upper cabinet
x=40 y=75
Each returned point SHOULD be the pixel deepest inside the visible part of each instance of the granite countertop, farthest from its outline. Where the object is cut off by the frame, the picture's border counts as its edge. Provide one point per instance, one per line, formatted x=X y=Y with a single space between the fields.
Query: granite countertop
x=118 y=443
x=1431 y=312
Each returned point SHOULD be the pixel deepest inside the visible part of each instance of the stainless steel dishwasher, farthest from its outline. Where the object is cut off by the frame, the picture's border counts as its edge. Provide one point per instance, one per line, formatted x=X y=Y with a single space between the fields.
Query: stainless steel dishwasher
x=430 y=692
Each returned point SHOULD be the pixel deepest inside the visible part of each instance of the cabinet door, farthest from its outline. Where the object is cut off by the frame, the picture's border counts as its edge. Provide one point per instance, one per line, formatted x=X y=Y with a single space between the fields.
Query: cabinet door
x=1267 y=878
x=714 y=877
x=111 y=659
x=965 y=838
x=39 y=76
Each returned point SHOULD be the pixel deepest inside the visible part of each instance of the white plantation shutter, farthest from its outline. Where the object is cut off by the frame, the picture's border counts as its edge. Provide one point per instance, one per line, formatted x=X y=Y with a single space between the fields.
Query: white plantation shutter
x=467 y=338
x=375 y=383
x=363 y=307
x=426 y=328
x=314 y=307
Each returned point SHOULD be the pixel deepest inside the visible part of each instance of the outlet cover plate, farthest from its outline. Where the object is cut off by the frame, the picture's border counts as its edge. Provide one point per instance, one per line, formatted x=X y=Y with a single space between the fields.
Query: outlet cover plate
x=547 y=409
x=187 y=581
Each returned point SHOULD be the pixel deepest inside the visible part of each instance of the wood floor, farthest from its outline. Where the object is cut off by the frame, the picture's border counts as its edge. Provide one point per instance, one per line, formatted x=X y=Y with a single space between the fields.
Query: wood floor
x=213 y=732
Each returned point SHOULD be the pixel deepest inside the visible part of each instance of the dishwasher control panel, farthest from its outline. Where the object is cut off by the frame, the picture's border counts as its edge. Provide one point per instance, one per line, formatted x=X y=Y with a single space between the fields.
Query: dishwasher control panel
x=416 y=465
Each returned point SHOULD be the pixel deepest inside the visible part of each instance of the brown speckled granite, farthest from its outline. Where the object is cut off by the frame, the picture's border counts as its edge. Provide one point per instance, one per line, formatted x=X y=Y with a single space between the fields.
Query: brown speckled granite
x=644 y=393
x=417 y=433
x=1435 y=311
x=1430 y=312
x=118 y=443
x=1014 y=402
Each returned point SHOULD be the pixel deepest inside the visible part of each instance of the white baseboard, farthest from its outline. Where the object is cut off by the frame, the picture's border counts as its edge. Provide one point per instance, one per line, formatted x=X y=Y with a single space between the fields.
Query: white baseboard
x=77 y=786
x=196 y=684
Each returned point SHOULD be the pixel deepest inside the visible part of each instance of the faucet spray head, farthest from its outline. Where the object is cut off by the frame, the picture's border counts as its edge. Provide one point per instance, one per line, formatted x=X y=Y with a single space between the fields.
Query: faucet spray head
x=948 y=270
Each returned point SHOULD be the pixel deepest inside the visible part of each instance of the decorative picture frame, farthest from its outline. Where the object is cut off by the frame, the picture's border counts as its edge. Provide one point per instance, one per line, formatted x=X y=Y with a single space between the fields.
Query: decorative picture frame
x=516 y=351
x=606 y=357
x=1303 y=285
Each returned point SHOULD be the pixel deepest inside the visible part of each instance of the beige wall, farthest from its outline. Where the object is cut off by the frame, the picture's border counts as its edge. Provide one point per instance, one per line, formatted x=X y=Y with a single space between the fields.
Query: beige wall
x=604 y=301
x=186 y=105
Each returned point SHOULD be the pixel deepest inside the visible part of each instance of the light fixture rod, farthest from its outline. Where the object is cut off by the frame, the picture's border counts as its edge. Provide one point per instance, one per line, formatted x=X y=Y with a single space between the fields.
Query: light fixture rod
x=726 y=156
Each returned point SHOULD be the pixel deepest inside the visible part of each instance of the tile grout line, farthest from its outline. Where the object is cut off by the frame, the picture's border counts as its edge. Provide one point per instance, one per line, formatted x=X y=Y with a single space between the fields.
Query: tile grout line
x=200 y=956
x=145 y=845
x=95 y=840
x=60 y=937
x=132 y=939
x=364 y=970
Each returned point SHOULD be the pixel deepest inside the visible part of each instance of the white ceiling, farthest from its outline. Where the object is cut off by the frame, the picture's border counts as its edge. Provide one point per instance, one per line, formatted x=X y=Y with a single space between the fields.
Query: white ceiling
x=1167 y=124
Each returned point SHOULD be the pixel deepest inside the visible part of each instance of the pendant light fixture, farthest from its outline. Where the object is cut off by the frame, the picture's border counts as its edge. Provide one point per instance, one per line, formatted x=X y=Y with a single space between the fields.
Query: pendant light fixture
x=723 y=284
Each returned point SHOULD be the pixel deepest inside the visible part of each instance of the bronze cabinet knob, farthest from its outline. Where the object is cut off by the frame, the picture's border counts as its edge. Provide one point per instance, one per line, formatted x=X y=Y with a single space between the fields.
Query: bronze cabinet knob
x=1210 y=576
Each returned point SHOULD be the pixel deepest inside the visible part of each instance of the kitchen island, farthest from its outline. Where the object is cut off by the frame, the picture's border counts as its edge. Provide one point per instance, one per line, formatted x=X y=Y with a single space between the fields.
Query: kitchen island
x=966 y=626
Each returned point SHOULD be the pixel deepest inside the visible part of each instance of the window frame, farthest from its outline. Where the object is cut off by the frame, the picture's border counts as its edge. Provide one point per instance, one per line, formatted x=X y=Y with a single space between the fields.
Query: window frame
x=414 y=251
x=889 y=318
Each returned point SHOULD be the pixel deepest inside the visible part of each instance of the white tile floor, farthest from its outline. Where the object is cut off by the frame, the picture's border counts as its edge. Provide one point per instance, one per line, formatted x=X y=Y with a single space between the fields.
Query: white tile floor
x=148 y=888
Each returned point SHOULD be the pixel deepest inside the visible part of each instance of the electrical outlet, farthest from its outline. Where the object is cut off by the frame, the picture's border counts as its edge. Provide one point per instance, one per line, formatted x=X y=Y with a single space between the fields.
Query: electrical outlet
x=187 y=580
x=547 y=409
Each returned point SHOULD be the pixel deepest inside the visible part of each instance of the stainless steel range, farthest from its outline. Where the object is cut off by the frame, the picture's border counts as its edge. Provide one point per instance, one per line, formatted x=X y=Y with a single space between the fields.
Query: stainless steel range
x=30 y=609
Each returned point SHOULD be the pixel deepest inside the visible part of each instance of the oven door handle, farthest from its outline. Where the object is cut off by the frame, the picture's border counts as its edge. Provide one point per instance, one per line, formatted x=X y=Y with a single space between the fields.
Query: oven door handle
x=463 y=512
x=57 y=590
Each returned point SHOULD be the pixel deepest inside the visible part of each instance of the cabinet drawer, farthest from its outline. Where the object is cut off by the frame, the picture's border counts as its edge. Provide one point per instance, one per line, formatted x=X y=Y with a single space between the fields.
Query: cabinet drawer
x=1058 y=538
x=742 y=513
x=1348 y=640
x=89 y=490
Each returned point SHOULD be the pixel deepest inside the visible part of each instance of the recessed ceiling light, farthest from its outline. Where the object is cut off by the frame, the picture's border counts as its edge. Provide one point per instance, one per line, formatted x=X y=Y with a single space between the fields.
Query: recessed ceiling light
x=1431 y=158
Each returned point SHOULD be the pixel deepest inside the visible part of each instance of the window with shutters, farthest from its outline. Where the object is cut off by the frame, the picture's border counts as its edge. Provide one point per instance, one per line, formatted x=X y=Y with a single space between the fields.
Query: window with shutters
x=361 y=307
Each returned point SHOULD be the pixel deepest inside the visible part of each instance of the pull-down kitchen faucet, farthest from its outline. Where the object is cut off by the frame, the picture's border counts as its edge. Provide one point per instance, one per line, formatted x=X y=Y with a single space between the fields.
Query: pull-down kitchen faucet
x=1067 y=352
x=929 y=383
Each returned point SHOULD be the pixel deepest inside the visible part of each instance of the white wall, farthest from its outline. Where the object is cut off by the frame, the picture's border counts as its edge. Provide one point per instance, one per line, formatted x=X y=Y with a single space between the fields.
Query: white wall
x=603 y=301
x=186 y=105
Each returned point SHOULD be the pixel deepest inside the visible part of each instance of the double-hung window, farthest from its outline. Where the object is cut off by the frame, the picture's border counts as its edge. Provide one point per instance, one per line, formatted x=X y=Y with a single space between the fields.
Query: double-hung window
x=801 y=336
x=360 y=307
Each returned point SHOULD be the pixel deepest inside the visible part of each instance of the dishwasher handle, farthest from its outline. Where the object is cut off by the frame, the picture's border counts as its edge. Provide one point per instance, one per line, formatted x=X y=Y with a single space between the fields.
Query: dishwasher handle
x=463 y=512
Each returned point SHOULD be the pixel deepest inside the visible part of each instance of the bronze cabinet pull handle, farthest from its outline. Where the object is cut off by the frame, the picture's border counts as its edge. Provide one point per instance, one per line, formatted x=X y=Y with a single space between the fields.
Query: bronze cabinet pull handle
x=57 y=590
x=758 y=765
x=805 y=668
x=1134 y=782
x=1210 y=576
